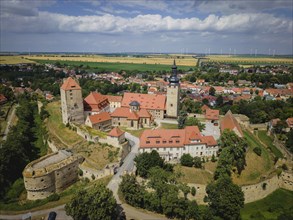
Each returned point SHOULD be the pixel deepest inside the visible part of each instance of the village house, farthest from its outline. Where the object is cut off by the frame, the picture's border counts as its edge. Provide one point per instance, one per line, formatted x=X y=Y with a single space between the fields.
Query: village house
x=212 y=115
x=173 y=143
x=101 y=121
x=114 y=101
x=96 y=103
x=116 y=137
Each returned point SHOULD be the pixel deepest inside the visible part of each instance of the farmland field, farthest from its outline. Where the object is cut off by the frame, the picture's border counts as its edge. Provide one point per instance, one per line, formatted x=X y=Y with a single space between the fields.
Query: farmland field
x=14 y=60
x=246 y=60
x=107 y=66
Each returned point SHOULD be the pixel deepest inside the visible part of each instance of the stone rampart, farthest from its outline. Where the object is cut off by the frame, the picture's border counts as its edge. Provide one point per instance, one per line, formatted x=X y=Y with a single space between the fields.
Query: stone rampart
x=50 y=174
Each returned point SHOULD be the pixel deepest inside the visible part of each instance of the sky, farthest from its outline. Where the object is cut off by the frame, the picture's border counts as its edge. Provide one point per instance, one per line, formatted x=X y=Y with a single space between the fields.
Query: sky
x=154 y=26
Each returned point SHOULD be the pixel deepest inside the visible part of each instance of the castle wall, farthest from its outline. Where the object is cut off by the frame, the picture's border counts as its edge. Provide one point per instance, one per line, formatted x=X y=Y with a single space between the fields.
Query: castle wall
x=65 y=176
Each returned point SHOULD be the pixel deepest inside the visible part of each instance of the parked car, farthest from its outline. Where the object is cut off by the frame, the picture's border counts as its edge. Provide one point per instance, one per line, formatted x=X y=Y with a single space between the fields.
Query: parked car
x=52 y=216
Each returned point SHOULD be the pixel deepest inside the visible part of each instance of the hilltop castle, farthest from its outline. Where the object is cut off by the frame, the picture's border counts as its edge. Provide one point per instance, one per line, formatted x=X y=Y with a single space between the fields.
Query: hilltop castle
x=133 y=110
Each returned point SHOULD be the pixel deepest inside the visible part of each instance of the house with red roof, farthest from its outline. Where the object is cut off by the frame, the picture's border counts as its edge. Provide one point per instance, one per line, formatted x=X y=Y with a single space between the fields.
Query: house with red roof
x=173 y=143
x=114 y=101
x=101 y=121
x=116 y=137
x=212 y=115
x=96 y=103
x=229 y=122
x=133 y=116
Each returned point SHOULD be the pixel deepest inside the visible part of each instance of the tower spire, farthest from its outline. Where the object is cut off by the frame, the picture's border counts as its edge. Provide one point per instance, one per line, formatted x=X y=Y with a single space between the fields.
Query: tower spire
x=173 y=80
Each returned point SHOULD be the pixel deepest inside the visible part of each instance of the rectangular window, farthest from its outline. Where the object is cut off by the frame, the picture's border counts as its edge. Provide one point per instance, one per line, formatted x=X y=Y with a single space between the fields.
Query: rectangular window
x=157 y=142
x=148 y=142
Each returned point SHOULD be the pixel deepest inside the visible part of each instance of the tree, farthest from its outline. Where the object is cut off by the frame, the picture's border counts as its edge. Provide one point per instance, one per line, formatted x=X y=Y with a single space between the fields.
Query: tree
x=145 y=161
x=212 y=91
x=186 y=160
x=257 y=150
x=225 y=198
x=279 y=127
x=197 y=162
x=182 y=119
x=289 y=141
x=193 y=191
x=219 y=100
x=132 y=192
x=191 y=121
x=96 y=203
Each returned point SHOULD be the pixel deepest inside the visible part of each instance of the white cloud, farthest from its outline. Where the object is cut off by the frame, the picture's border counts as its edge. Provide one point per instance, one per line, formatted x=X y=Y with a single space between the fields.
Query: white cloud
x=45 y=22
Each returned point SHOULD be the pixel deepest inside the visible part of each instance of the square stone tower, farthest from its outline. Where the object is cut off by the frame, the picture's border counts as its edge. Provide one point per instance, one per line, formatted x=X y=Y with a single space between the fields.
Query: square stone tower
x=173 y=89
x=71 y=102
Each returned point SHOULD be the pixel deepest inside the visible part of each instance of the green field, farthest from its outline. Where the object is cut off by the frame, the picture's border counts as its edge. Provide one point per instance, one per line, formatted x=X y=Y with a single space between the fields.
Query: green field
x=271 y=207
x=116 y=67
x=267 y=140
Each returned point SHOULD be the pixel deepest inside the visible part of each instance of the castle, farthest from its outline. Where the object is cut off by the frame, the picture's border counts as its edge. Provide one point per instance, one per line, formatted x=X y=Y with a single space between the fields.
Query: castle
x=50 y=174
x=133 y=110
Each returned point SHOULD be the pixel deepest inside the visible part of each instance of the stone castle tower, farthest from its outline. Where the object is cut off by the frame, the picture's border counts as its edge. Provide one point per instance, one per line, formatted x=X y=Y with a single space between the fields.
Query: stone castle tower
x=71 y=102
x=173 y=90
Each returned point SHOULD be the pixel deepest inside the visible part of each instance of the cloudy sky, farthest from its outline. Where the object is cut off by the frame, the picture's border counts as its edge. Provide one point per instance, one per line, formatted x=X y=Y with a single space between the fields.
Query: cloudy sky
x=214 y=26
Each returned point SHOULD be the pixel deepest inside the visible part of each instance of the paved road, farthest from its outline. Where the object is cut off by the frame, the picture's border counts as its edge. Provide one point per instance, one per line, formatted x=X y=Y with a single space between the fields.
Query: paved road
x=8 y=126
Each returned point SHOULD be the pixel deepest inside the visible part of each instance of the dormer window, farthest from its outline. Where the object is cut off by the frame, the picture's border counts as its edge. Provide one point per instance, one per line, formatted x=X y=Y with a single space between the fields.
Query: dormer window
x=148 y=142
x=157 y=142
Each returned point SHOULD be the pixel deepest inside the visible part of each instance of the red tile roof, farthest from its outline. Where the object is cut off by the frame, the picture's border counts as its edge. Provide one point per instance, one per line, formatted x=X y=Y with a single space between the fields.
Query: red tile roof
x=124 y=112
x=212 y=114
x=70 y=84
x=113 y=98
x=204 y=108
x=95 y=102
x=98 y=118
x=174 y=138
x=229 y=122
x=146 y=101
x=115 y=132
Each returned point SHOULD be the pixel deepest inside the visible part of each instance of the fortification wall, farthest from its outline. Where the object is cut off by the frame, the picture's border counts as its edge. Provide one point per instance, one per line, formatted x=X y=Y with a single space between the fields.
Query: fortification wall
x=41 y=182
x=252 y=192
x=65 y=176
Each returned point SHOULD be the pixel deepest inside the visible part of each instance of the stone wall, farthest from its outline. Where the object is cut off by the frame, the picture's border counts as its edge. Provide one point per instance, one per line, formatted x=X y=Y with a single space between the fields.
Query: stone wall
x=252 y=192
x=42 y=181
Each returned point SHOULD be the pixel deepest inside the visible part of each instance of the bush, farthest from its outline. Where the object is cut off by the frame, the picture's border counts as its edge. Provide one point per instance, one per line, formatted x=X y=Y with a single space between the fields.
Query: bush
x=80 y=172
x=93 y=177
x=15 y=190
x=257 y=150
x=213 y=158
x=53 y=197
x=284 y=167
x=193 y=191
x=264 y=186
x=186 y=160
x=197 y=162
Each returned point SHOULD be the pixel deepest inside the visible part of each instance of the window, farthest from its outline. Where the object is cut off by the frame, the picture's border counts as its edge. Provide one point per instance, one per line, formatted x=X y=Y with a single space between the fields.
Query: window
x=157 y=142
x=177 y=141
x=148 y=142
x=171 y=105
x=170 y=141
x=164 y=142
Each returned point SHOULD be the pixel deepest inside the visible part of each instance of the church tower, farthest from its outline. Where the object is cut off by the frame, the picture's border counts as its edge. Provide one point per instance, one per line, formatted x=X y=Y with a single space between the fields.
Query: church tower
x=173 y=90
x=71 y=102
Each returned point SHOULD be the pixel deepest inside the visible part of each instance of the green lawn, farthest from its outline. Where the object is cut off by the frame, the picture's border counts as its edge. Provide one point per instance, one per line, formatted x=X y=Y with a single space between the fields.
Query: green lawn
x=115 y=66
x=277 y=203
x=168 y=126
x=135 y=133
x=267 y=140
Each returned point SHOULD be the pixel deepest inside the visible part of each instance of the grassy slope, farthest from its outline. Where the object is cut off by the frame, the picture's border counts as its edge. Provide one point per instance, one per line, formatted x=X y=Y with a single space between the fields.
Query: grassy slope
x=257 y=166
x=193 y=175
x=270 y=207
x=108 y=66
x=269 y=142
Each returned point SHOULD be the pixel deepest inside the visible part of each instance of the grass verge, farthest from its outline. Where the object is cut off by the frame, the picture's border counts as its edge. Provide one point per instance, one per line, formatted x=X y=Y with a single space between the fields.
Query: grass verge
x=168 y=126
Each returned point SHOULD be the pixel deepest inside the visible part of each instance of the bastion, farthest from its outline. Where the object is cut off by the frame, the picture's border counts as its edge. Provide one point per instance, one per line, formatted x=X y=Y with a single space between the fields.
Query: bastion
x=50 y=174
